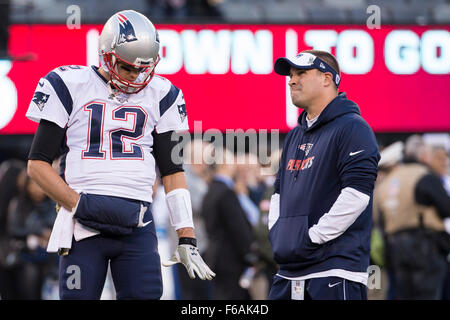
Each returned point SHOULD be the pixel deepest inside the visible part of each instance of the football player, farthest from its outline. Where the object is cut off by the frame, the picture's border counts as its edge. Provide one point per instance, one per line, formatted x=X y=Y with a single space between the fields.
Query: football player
x=112 y=124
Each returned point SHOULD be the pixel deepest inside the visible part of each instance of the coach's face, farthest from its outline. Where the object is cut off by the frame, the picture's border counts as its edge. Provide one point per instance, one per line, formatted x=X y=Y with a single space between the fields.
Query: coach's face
x=305 y=86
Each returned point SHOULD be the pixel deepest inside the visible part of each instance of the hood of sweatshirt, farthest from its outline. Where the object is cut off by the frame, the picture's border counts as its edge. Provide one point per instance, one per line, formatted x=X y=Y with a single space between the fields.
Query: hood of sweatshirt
x=336 y=108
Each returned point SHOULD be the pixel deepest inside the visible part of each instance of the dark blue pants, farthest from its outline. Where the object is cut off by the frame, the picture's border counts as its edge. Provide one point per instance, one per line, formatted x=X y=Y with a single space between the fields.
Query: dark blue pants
x=134 y=261
x=328 y=288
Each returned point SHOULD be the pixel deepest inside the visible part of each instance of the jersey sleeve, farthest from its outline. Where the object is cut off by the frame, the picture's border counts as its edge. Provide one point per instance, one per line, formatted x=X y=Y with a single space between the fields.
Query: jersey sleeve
x=172 y=112
x=51 y=101
x=358 y=157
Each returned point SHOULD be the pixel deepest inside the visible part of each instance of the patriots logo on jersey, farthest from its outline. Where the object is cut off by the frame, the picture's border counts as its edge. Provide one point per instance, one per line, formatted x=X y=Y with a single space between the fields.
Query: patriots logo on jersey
x=127 y=33
x=182 y=111
x=40 y=99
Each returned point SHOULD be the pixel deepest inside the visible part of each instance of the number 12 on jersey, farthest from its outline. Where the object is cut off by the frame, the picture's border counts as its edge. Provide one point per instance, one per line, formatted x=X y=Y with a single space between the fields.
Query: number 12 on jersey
x=117 y=137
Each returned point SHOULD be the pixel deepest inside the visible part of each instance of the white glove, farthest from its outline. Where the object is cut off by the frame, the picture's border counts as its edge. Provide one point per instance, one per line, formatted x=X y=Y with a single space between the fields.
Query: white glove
x=189 y=256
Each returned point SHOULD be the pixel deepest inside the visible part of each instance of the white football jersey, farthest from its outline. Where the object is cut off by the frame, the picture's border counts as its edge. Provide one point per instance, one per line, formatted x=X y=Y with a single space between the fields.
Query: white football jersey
x=109 y=143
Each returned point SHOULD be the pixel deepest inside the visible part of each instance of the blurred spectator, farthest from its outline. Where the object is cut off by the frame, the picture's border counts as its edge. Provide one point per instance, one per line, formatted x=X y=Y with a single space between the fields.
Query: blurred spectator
x=231 y=239
x=167 y=9
x=266 y=267
x=183 y=9
x=390 y=157
x=245 y=181
x=247 y=184
x=167 y=238
x=440 y=164
x=412 y=204
x=176 y=8
x=30 y=218
x=204 y=8
x=4 y=26
x=197 y=177
x=254 y=179
x=12 y=179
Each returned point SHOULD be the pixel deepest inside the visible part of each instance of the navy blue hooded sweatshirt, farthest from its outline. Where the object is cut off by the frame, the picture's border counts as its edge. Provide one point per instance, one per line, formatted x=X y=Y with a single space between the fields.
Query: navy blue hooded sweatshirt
x=316 y=164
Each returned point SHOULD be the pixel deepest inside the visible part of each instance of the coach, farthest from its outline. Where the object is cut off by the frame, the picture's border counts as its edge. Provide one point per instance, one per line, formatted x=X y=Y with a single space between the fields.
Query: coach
x=321 y=210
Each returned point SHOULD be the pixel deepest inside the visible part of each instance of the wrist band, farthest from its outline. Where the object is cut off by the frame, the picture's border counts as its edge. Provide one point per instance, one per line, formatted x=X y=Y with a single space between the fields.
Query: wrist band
x=186 y=240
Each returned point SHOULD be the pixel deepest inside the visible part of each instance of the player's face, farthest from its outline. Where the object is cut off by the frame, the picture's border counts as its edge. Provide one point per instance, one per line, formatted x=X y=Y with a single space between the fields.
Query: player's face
x=128 y=72
x=305 y=86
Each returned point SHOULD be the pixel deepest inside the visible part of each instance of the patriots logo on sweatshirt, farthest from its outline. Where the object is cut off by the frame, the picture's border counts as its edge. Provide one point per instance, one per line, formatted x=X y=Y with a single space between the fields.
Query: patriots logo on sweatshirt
x=306 y=147
x=304 y=163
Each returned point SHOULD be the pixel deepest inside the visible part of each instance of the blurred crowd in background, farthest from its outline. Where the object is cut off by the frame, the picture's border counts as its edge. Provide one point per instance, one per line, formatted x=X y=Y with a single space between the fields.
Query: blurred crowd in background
x=230 y=206
x=237 y=11
x=411 y=219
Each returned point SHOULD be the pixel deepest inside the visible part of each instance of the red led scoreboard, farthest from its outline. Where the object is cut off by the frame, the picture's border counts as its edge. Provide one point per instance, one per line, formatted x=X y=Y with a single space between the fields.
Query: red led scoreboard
x=398 y=75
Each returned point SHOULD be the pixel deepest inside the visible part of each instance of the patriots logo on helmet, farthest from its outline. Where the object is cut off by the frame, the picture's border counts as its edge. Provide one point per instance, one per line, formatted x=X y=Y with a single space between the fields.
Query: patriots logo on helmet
x=40 y=99
x=127 y=33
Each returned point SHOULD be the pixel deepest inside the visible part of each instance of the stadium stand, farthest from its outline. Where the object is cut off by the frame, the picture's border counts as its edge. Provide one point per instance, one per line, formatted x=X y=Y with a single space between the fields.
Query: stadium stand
x=232 y=11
